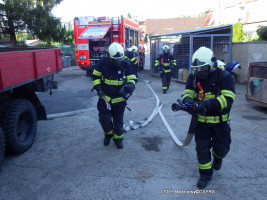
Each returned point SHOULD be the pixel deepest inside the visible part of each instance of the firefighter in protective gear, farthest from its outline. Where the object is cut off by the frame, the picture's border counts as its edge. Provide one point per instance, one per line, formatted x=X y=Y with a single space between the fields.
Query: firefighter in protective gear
x=164 y=65
x=130 y=55
x=114 y=80
x=213 y=89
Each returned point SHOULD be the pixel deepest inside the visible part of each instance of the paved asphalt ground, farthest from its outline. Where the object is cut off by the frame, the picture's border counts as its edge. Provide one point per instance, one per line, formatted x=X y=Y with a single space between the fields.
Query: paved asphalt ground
x=69 y=161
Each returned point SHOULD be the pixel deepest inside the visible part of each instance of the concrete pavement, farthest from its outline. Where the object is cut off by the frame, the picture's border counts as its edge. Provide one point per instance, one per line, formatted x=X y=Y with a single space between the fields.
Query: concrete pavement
x=69 y=161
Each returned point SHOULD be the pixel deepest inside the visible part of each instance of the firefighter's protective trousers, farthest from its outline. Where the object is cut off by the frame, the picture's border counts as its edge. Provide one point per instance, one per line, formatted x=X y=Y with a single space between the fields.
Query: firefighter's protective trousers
x=213 y=131
x=216 y=139
x=111 y=120
x=166 y=79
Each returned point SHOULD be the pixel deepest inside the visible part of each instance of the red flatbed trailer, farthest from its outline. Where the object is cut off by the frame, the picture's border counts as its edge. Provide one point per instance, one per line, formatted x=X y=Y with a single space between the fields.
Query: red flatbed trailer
x=23 y=72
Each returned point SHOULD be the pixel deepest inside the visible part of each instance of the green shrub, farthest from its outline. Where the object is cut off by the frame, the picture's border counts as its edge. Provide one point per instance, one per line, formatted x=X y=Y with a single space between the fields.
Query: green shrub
x=238 y=33
x=262 y=33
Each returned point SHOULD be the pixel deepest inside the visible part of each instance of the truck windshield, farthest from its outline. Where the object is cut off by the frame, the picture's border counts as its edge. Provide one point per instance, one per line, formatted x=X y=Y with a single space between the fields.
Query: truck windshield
x=95 y=32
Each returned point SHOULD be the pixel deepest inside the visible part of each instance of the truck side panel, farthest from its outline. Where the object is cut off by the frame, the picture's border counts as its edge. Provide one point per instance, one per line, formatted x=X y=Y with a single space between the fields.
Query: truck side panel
x=16 y=67
x=45 y=63
x=21 y=67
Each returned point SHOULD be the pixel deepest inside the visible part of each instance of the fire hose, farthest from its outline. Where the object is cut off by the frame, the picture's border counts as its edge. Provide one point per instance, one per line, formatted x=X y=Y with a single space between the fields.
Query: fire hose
x=135 y=124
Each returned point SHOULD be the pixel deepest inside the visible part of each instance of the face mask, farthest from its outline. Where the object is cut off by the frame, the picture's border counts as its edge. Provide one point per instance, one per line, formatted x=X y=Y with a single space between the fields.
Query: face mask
x=118 y=63
x=165 y=52
x=202 y=75
x=202 y=72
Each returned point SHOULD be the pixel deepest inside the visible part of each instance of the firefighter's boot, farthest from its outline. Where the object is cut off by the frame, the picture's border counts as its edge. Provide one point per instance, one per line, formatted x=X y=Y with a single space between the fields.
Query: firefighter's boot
x=107 y=140
x=217 y=163
x=164 y=91
x=203 y=181
x=118 y=143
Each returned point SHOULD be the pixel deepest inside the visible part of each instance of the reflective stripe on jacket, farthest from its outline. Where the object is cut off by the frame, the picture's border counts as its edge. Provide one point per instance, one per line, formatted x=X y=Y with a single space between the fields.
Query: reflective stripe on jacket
x=220 y=95
x=111 y=79
x=130 y=56
x=165 y=60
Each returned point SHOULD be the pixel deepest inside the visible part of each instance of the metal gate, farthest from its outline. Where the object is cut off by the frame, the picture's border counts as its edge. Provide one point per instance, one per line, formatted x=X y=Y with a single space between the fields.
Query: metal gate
x=183 y=46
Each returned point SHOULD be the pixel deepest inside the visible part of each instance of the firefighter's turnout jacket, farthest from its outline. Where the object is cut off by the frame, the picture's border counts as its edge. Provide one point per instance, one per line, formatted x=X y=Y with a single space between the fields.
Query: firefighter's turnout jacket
x=130 y=56
x=165 y=61
x=218 y=89
x=111 y=79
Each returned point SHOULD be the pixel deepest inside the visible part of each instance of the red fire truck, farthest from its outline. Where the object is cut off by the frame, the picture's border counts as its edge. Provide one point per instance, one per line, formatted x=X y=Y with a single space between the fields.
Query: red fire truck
x=93 y=36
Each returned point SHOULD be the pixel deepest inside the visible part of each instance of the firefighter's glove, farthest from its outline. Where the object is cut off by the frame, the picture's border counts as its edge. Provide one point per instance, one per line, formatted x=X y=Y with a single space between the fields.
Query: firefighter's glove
x=160 y=71
x=130 y=88
x=190 y=105
x=159 y=68
x=100 y=93
x=201 y=108
x=188 y=101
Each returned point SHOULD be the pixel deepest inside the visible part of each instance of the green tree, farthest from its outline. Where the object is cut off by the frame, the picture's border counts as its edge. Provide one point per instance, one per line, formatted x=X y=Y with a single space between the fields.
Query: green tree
x=129 y=15
x=69 y=37
x=31 y=16
x=262 y=32
x=45 y=26
x=25 y=36
x=238 y=33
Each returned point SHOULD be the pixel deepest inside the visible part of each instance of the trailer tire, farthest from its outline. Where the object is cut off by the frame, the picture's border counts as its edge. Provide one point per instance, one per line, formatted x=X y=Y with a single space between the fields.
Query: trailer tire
x=19 y=122
x=2 y=146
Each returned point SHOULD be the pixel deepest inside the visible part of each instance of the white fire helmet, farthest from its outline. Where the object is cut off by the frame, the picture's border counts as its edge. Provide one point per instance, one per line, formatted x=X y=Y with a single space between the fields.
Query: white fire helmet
x=116 y=51
x=134 y=49
x=203 y=62
x=165 y=49
x=202 y=57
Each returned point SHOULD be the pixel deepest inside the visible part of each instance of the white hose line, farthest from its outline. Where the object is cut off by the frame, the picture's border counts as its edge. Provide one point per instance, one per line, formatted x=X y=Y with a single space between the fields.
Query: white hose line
x=136 y=124
x=140 y=124
x=176 y=140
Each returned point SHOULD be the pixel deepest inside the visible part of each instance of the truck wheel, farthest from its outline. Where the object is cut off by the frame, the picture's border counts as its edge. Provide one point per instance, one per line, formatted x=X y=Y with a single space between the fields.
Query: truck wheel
x=19 y=123
x=2 y=146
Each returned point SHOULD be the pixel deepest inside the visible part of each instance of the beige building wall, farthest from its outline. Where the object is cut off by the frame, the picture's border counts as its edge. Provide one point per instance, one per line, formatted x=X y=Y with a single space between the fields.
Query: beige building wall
x=248 y=52
x=251 y=13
